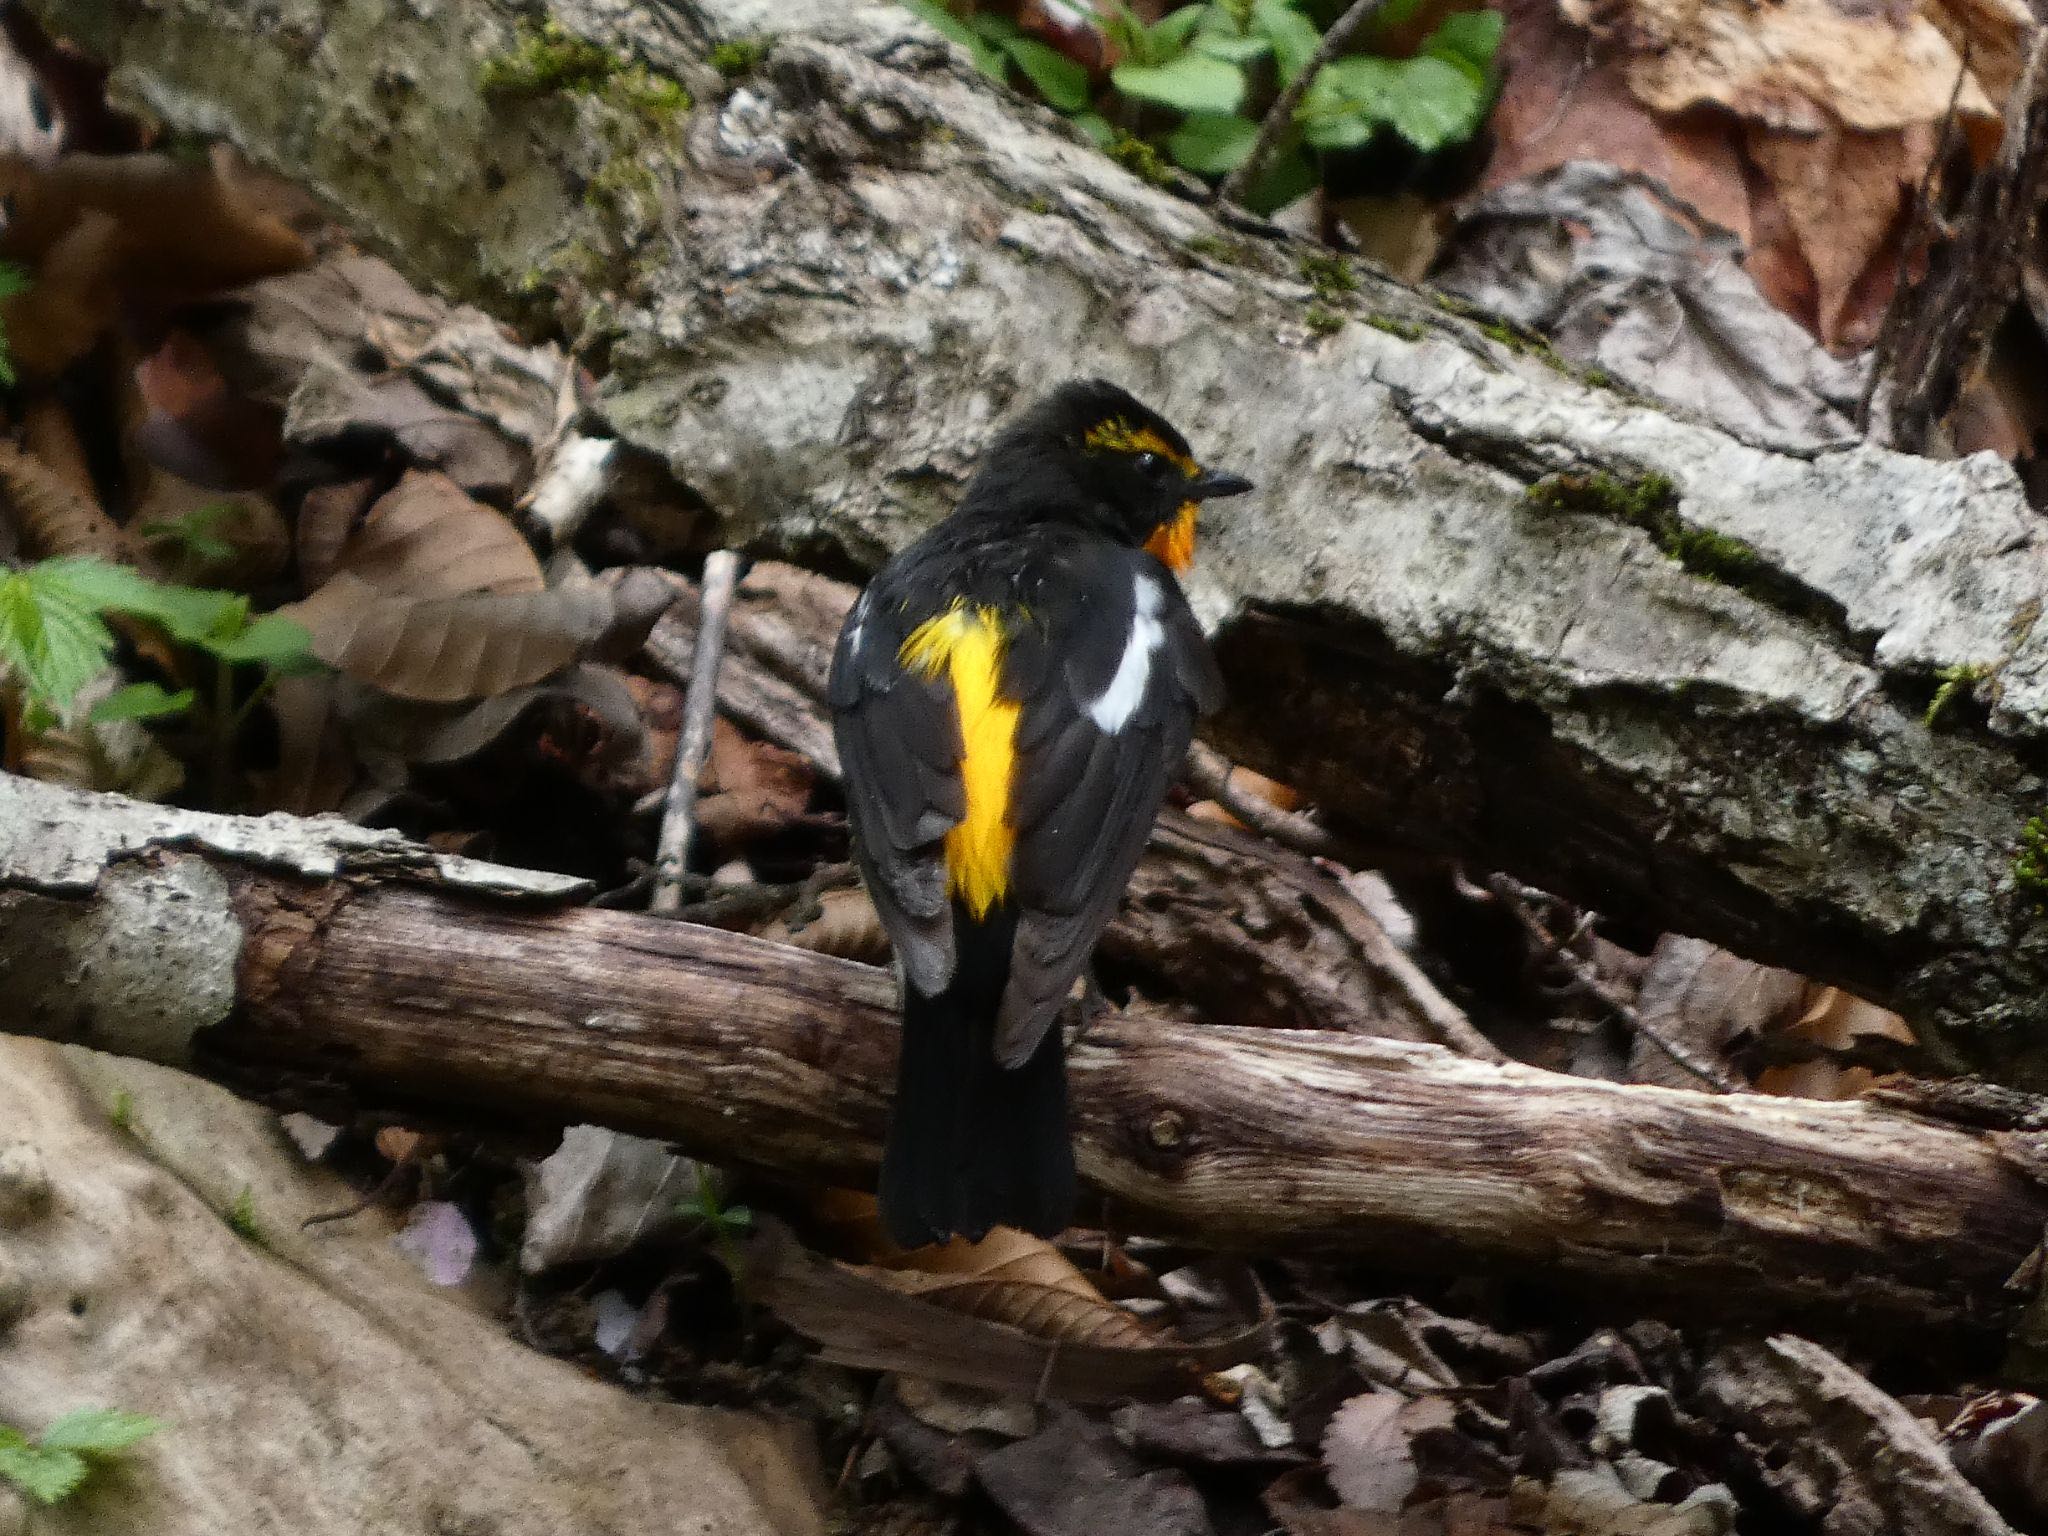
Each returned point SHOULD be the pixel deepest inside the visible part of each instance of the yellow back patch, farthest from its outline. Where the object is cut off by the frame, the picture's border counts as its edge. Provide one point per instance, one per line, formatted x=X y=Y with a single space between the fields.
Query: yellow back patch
x=966 y=645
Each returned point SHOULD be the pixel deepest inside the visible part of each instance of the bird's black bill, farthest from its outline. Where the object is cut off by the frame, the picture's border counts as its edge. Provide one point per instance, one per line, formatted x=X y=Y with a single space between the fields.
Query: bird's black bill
x=1213 y=483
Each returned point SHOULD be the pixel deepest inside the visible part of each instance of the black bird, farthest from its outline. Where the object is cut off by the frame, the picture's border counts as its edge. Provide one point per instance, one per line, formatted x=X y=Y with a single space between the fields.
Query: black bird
x=1011 y=696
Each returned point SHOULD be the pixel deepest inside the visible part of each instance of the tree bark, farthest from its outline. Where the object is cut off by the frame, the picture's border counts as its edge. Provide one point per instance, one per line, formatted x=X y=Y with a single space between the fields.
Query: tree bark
x=815 y=293
x=330 y=968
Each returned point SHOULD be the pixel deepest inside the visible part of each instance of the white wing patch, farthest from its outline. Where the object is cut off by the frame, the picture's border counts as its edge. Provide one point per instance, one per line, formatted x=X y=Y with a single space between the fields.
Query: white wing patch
x=1115 y=705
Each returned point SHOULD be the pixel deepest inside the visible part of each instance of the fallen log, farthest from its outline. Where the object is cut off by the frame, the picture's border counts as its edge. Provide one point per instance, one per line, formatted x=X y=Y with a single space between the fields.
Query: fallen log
x=815 y=291
x=324 y=966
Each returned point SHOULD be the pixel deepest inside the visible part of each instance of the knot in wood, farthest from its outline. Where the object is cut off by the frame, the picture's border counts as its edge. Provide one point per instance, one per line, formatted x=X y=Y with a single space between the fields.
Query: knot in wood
x=1167 y=1130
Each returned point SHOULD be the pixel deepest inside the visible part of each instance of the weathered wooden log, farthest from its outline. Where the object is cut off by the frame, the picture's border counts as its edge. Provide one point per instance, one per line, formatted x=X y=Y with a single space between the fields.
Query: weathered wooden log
x=816 y=290
x=325 y=966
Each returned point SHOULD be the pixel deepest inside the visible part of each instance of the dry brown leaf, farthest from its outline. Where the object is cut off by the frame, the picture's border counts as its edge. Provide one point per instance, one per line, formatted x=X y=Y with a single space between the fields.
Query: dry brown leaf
x=327 y=517
x=437 y=598
x=427 y=538
x=846 y=925
x=1805 y=66
x=52 y=517
x=1709 y=1000
x=185 y=229
x=315 y=767
x=1815 y=1080
x=49 y=434
x=443 y=650
x=750 y=789
x=1836 y=1020
x=1843 y=195
x=958 y=1330
x=192 y=424
x=1368 y=1447
x=1563 y=100
x=72 y=303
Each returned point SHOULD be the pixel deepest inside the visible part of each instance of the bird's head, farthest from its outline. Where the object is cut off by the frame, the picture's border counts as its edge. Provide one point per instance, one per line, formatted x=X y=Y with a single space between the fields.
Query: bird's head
x=1119 y=465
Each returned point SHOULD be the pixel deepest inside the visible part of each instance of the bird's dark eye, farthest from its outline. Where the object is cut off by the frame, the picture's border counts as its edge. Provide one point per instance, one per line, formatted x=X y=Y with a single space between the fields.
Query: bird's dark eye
x=1147 y=462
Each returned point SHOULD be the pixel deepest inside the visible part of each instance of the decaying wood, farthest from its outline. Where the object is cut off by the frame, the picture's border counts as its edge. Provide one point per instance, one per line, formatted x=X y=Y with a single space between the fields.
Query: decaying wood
x=815 y=293
x=329 y=968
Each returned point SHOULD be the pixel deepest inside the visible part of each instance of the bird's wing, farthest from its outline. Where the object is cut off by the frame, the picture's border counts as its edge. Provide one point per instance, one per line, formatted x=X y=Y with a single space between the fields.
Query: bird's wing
x=1110 y=675
x=900 y=748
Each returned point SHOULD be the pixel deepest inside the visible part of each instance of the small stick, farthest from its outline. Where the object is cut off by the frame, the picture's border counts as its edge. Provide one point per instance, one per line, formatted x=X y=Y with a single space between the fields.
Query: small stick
x=1516 y=898
x=1208 y=772
x=700 y=704
x=1281 y=114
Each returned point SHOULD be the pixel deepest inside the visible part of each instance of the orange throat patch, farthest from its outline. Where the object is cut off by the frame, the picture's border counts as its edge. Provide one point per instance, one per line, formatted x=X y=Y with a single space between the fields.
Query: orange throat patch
x=965 y=645
x=1173 y=541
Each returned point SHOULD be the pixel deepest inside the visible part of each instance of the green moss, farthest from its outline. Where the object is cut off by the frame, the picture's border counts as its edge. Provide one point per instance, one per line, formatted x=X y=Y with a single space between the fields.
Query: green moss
x=1140 y=159
x=546 y=59
x=1714 y=556
x=1394 y=325
x=1330 y=276
x=652 y=95
x=1217 y=248
x=1323 y=320
x=122 y=1115
x=1645 y=501
x=2030 y=864
x=1954 y=680
x=619 y=181
x=738 y=57
x=1039 y=205
x=241 y=1217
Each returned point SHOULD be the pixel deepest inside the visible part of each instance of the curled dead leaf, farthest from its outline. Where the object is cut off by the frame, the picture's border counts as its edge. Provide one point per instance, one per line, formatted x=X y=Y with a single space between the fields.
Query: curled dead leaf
x=750 y=789
x=846 y=925
x=53 y=516
x=1008 y=1315
x=185 y=229
x=72 y=303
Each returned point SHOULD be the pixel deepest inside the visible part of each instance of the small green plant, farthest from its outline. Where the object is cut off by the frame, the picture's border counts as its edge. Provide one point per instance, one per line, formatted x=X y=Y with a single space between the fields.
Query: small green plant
x=122 y=1115
x=723 y=1223
x=739 y=56
x=54 y=640
x=241 y=1217
x=51 y=1468
x=1394 y=325
x=196 y=534
x=1954 y=681
x=1323 y=320
x=1213 y=61
x=2030 y=864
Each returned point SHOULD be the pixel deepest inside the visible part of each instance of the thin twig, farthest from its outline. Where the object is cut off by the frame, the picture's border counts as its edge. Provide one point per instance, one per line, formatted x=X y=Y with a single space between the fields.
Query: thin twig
x=1517 y=898
x=1208 y=772
x=1280 y=116
x=700 y=704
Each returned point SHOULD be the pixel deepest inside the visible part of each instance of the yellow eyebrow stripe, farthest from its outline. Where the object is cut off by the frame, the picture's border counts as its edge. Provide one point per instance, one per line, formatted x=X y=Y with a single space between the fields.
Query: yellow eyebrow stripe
x=1119 y=436
x=966 y=644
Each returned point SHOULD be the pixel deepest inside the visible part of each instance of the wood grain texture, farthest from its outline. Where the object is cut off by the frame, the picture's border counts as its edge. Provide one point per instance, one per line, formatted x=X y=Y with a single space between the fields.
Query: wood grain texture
x=756 y=1055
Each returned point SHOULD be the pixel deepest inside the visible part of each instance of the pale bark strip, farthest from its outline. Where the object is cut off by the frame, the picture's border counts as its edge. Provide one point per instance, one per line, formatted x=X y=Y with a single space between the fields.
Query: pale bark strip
x=333 y=984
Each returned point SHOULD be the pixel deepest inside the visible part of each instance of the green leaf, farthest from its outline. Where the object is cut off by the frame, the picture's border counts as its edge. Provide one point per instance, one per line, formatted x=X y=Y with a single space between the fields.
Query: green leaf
x=1097 y=127
x=192 y=615
x=14 y=279
x=279 y=643
x=1210 y=145
x=987 y=57
x=1293 y=36
x=1057 y=78
x=51 y=638
x=1168 y=38
x=99 y=1431
x=1232 y=47
x=1289 y=175
x=1428 y=102
x=47 y=1476
x=1469 y=40
x=1193 y=82
x=140 y=701
x=194 y=532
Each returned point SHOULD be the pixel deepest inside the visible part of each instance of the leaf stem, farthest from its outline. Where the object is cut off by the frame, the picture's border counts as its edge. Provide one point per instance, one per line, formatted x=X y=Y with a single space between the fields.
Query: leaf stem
x=1280 y=116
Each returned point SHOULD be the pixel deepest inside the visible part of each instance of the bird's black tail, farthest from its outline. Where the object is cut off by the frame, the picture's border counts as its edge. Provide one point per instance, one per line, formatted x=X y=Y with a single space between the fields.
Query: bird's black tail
x=973 y=1144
